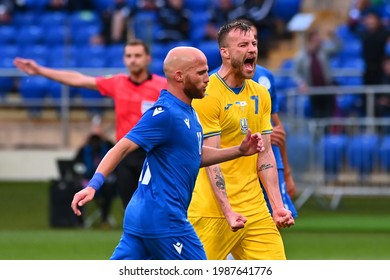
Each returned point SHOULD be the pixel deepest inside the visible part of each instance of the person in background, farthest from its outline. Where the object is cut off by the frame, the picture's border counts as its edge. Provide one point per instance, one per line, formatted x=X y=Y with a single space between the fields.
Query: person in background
x=173 y=19
x=133 y=94
x=87 y=159
x=155 y=223
x=311 y=69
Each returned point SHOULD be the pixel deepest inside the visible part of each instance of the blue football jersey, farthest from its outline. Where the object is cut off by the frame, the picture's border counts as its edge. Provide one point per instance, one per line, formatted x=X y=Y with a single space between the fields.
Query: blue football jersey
x=171 y=135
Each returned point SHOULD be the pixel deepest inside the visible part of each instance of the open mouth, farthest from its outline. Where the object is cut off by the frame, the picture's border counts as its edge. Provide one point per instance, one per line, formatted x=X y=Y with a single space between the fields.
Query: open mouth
x=249 y=64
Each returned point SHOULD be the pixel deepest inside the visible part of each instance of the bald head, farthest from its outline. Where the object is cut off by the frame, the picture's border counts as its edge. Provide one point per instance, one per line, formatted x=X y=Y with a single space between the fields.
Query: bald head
x=180 y=59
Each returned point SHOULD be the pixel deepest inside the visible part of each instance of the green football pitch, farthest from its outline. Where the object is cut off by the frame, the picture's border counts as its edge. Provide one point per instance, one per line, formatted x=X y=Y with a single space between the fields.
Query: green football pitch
x=358 y=229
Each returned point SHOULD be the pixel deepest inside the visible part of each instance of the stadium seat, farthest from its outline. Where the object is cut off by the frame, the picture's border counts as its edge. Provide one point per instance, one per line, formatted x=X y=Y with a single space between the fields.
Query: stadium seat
x=159 y=50
x=384 y=153
x=351 y=49
x=197 y=5
x=362 y=153
x=198 y=23
x=29 y=35
x=82 y=36
x=344 y=33
x=285 y=9
x=89 y=98
x=82 y=19
x=33 y=90
x=56 y=35
x=6 y=83
x=37 y=52
x=145 y=25
x=55 y=89
x=333 y=154
x=156 y=67
x=36 y=5
x=53 y=19
x=299 y=146
x=20 y=19
x=10 y=51
x=7 y=35
x=211 y=50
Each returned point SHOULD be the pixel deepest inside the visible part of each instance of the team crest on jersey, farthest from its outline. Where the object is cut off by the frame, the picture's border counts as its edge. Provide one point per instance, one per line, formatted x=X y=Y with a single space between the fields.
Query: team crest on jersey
x=244 y=125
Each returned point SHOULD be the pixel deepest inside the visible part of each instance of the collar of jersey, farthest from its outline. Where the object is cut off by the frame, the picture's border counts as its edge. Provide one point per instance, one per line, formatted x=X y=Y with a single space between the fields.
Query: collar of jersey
x=229 y=88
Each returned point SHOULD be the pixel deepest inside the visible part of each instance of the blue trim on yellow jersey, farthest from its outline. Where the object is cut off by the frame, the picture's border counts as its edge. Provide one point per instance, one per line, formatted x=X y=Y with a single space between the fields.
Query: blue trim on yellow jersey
x=227 y=86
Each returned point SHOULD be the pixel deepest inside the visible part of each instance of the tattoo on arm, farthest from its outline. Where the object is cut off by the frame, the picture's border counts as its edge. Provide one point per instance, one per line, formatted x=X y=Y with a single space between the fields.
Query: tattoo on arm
x=265 y=166
x=219 y=181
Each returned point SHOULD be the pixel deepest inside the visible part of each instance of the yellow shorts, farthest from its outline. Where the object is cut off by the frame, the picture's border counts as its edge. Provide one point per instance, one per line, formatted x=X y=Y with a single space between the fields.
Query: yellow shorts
x=258 y=240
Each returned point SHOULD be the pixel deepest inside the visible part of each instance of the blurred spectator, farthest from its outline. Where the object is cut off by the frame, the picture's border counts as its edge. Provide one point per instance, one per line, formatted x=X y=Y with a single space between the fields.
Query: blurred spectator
x=6 y=9
x=374 y=37
x=258 y=11
x=150 y=5
x=311 y=69
x=382 y=101
x=87 y=159
x=115 y=23
x=223 y=11
x=173 y=19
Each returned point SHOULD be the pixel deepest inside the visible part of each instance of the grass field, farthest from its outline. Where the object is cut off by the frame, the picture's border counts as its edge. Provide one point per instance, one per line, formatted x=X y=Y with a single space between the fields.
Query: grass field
x=358 y=229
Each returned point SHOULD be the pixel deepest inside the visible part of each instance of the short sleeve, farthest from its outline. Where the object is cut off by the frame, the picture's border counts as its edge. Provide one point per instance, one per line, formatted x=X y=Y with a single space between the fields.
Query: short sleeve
x=152 y=129
x=106 y=84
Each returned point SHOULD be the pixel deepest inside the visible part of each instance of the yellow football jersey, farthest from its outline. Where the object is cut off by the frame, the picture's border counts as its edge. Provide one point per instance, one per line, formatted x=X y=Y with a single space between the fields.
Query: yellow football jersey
x=225 y=113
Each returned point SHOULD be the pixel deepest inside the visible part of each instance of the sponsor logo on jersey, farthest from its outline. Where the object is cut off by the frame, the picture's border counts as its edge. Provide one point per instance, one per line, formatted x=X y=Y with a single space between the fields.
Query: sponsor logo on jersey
x=157 y=111
x=178 y=247
x=187 y=121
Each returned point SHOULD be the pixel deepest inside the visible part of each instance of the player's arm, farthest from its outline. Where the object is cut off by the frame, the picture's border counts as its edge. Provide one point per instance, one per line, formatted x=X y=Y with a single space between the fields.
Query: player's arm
x=217 y=182
x=278 y=138
x=267 y=171
x=70 y=78
x=251 y=145
x=106 y=166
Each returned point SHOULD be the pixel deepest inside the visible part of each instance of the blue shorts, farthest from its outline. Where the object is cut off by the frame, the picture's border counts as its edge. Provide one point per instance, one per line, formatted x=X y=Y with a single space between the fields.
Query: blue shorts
x=131 y=247
x=288 y=203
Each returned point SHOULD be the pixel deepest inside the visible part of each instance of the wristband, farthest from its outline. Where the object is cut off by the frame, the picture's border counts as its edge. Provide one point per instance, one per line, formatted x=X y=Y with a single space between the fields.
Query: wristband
x=97 y=181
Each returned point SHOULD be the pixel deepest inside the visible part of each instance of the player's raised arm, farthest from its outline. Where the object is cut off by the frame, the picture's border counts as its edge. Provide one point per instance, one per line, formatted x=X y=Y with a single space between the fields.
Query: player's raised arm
x=70 y=78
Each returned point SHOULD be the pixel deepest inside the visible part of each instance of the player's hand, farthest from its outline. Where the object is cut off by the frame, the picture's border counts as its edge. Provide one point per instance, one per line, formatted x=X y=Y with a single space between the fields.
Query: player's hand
x=252 y=144
x=278 y=136
x=290 y=185
x=283 y=218
x=236 y=221
x=27 y=65
x=81 y=198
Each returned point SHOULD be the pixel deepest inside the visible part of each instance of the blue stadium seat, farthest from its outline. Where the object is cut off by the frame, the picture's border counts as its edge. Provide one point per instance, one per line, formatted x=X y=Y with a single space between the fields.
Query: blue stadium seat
x=7 y=35
x=36 y=5
x=362 y=153
x=384 y=153
x=6 y=83
x=145 y=25
x=30 y=35
x=299 y=146
x=82 y=19
x=333 y=154
x=89 y=98
x=33 y=90
x=344 y=33
x=82 y=36
x=197 y=5
x=159 y=50
x=20 y=19
x=37 y=52
x=54 y=91
x=53 y=19
x=156 y=67
x=211 y=50
x=56 y=35
x=351 y=49
x=198 y=23
x=114 y=54
x=10 y=51
x=285 y=9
